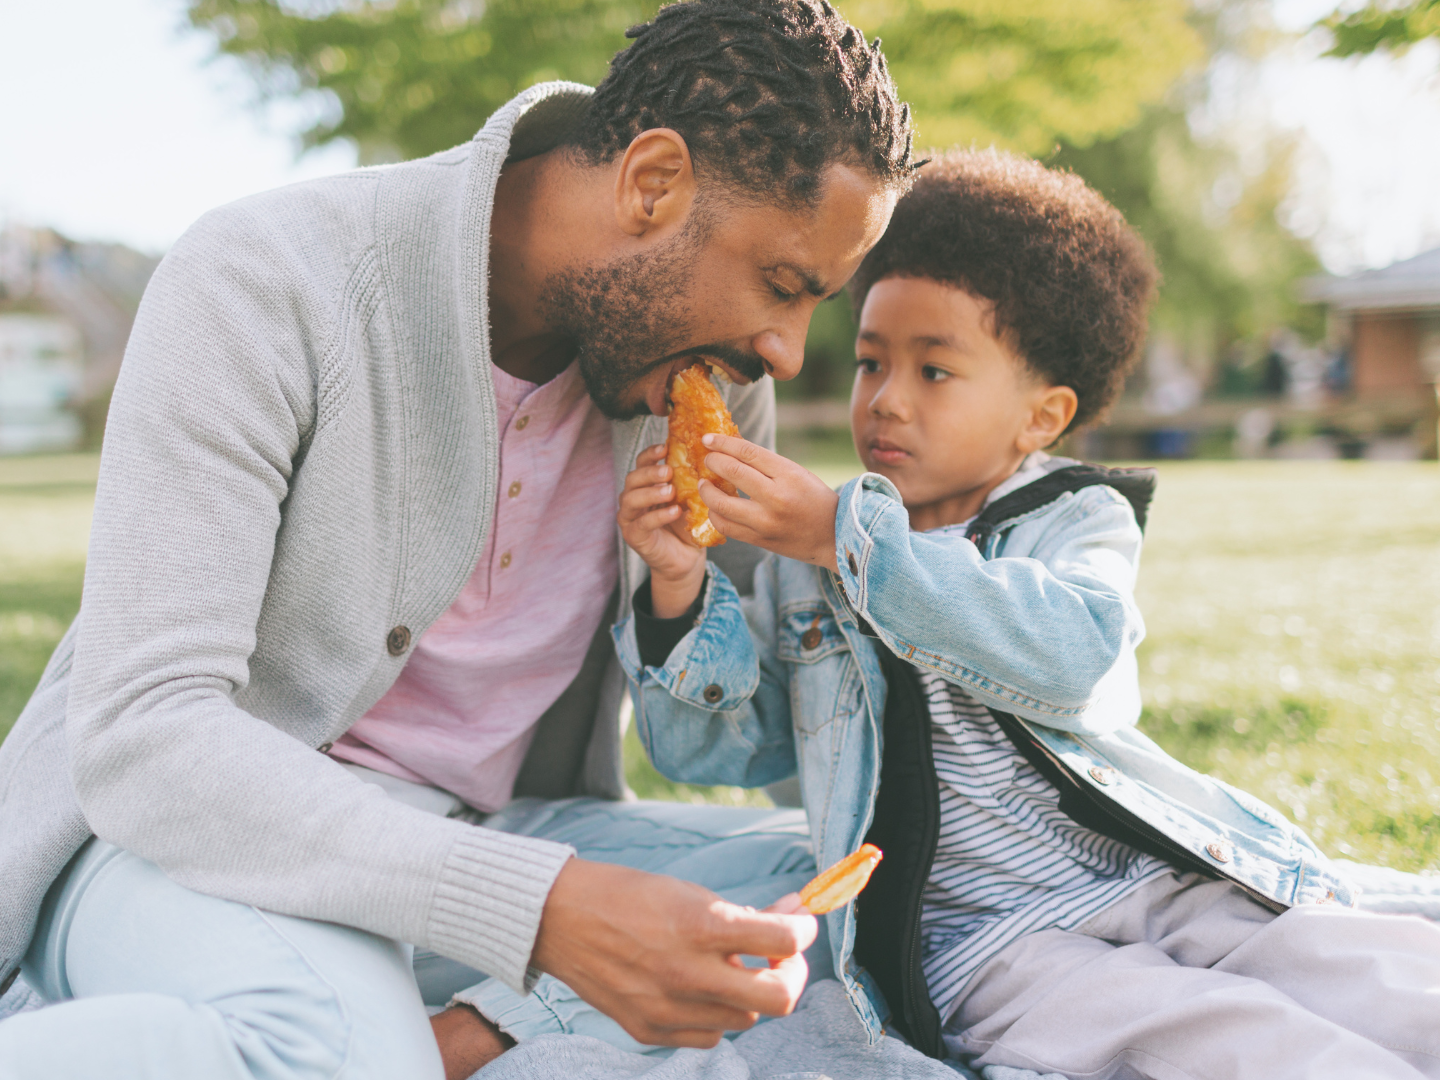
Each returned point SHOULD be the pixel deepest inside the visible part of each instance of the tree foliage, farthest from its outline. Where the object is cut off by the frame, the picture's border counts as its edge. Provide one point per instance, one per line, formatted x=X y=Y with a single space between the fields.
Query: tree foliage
x=1383 y=26
x=1024 y=73
x=409 y=77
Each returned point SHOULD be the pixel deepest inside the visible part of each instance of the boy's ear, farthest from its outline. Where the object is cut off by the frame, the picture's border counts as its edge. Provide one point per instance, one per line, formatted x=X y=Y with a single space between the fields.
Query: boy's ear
x=1053 y=407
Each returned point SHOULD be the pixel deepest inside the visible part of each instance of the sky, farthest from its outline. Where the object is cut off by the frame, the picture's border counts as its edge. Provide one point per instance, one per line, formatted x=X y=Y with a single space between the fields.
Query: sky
x=116 y=126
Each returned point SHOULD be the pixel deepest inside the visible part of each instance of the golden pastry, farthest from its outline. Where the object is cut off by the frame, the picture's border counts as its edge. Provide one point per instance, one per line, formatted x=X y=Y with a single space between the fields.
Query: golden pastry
x=696 y=409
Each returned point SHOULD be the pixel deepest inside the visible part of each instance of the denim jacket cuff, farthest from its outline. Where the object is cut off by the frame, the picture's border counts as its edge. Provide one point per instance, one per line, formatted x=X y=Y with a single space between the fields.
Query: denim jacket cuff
x=705 y=668
x=862 y=502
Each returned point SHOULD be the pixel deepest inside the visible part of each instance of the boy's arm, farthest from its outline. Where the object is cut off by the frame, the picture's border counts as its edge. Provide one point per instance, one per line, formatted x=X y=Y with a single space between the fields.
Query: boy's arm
x=1050 y=637
x=711 y=705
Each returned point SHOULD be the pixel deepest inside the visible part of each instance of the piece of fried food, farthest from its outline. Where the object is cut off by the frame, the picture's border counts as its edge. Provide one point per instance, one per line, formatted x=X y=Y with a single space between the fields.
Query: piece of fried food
x=841 y=883
x=696 y=409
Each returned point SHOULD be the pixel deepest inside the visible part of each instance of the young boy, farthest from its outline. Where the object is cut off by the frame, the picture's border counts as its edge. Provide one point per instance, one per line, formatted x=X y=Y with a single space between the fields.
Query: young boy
x=945 y=650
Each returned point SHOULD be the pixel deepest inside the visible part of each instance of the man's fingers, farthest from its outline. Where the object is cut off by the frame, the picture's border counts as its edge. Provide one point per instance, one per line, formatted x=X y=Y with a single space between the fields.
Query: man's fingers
x=789 y=904
x=651 y=454
x=792 y=973
x=759 y=933
x=770 y=991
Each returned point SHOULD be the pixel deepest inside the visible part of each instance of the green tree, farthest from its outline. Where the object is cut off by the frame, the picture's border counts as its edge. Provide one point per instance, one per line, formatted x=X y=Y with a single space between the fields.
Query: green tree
x=1375 y=27
x=410 y=77
x=1024 y=73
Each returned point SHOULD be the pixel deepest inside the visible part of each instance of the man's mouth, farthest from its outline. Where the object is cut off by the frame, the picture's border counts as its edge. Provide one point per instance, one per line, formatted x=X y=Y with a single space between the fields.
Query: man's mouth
x=659 y=397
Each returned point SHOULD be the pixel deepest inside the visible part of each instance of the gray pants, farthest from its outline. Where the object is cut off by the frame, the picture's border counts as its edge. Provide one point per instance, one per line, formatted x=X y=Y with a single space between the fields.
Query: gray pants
x=1189 y=979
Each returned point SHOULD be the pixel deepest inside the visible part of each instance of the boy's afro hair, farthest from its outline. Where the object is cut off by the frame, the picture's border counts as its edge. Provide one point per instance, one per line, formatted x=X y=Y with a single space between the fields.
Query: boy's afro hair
x=1071 y=282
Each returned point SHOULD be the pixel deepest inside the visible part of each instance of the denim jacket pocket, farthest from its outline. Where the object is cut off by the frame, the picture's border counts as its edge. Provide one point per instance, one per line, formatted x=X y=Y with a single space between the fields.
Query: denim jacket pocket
x=808 y=634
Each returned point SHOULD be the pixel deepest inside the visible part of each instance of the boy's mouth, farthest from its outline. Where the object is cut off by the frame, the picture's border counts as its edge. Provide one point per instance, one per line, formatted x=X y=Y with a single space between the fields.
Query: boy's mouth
x=888 y=453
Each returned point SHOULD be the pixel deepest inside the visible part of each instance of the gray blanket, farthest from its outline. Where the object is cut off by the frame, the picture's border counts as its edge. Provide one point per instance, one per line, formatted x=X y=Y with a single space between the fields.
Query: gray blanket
x=823 y=1038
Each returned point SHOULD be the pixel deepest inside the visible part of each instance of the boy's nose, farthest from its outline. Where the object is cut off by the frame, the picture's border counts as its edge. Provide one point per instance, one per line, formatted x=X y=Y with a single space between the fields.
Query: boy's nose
x=888 y=405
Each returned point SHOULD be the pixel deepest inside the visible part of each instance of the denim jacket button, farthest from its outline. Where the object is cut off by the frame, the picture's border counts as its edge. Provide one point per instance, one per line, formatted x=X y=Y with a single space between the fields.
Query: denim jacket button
x=714 y=693
x=811 y=638
x=1218 y=850
x=1104 y=777
x=850 y=562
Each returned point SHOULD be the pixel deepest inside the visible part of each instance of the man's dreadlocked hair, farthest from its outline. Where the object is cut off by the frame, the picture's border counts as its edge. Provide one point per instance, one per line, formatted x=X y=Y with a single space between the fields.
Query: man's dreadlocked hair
x=766 y=94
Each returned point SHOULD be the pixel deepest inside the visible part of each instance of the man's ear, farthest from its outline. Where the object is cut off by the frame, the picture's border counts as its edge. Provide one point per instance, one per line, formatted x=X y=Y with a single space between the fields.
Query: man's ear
x=1052 y=409
x=655 y=187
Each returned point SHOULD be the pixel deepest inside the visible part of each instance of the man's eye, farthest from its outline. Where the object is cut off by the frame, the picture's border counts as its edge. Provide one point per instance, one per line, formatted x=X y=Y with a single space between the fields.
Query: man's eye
x=781 y=293
x=868 y=366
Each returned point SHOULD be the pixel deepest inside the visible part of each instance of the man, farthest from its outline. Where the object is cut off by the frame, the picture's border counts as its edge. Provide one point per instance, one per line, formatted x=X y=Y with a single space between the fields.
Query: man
x=322 y=523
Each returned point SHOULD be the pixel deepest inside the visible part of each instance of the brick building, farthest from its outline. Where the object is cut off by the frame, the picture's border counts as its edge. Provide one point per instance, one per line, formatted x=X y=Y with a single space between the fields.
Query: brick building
x=1391 y=318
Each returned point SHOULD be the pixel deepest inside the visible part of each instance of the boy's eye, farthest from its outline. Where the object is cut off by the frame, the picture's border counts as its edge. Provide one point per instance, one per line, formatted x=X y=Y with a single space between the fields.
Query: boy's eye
x=868 y=366
x=934 y=374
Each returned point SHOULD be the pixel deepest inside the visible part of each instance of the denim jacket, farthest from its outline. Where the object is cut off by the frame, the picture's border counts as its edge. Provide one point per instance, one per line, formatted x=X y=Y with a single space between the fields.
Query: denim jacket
x=1039 y=623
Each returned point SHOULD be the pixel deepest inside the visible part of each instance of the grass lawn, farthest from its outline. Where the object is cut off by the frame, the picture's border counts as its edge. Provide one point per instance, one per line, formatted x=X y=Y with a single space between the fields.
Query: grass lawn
x=1293 y=648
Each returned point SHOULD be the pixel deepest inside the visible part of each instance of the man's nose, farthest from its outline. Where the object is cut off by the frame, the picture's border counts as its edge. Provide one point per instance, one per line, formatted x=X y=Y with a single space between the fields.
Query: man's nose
x=782 y=350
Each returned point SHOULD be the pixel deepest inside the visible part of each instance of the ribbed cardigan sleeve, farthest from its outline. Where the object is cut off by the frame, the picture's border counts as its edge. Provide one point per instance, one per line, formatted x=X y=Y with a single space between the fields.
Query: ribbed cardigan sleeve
x=215 y=402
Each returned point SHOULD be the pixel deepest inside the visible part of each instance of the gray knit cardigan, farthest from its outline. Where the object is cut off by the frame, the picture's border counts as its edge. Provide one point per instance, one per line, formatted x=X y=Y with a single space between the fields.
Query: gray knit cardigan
x=298 y=477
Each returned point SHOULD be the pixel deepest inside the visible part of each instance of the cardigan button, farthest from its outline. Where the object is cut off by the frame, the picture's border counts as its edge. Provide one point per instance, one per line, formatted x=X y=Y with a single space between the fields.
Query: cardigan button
x=398 y=640
x=1103 y=777
x=325 y=747
x=1218 y=850
x=9 y=981
x=811 y=638
x=713 y=693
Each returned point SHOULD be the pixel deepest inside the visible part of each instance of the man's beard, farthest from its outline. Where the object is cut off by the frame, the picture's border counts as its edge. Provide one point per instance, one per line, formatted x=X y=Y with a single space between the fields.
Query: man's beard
x=628 y=316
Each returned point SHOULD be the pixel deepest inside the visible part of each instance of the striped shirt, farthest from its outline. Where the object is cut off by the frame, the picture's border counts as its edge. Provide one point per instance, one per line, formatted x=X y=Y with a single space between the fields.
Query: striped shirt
x=1009 y=862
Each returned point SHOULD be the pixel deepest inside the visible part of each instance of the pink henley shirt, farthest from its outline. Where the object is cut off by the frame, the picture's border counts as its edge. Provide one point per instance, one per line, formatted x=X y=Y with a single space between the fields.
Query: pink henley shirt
x=463 y=711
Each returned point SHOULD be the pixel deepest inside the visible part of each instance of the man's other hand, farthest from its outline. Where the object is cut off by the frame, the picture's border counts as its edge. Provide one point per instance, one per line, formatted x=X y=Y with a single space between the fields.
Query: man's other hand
x=662 y=956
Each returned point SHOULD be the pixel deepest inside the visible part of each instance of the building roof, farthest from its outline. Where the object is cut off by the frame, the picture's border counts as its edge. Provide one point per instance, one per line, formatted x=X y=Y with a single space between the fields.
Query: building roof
x=1410 y=283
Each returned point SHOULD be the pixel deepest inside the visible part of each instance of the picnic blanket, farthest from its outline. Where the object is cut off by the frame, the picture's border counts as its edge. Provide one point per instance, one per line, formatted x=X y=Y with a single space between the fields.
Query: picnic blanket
x=823 y=1039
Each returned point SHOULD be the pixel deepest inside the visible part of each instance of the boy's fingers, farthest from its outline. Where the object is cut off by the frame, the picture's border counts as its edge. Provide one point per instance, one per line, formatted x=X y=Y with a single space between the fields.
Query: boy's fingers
x=648 y=474
x=657 y=519
x=743 y=476
x=744 y=512
x=757 y=457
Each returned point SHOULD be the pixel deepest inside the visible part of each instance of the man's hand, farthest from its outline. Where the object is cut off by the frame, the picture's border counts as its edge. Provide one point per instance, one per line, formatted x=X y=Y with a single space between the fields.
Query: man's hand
x=662 y=956
x=790 y=510
x=648 y=519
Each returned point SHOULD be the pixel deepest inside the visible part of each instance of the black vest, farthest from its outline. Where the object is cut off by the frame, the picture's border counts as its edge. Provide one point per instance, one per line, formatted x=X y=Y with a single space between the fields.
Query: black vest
x=906 y=825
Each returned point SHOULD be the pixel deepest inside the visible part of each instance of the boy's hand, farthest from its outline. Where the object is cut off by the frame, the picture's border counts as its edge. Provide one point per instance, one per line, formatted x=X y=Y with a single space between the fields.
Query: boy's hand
x=648 y=520
x=790 y=511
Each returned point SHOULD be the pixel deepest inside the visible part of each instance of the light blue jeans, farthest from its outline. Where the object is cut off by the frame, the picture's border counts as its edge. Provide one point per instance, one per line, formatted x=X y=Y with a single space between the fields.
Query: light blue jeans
x=155 y=981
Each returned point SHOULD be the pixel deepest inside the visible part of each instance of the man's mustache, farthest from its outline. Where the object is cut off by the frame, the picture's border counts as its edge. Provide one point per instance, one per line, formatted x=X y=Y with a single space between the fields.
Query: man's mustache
x=745 y=363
